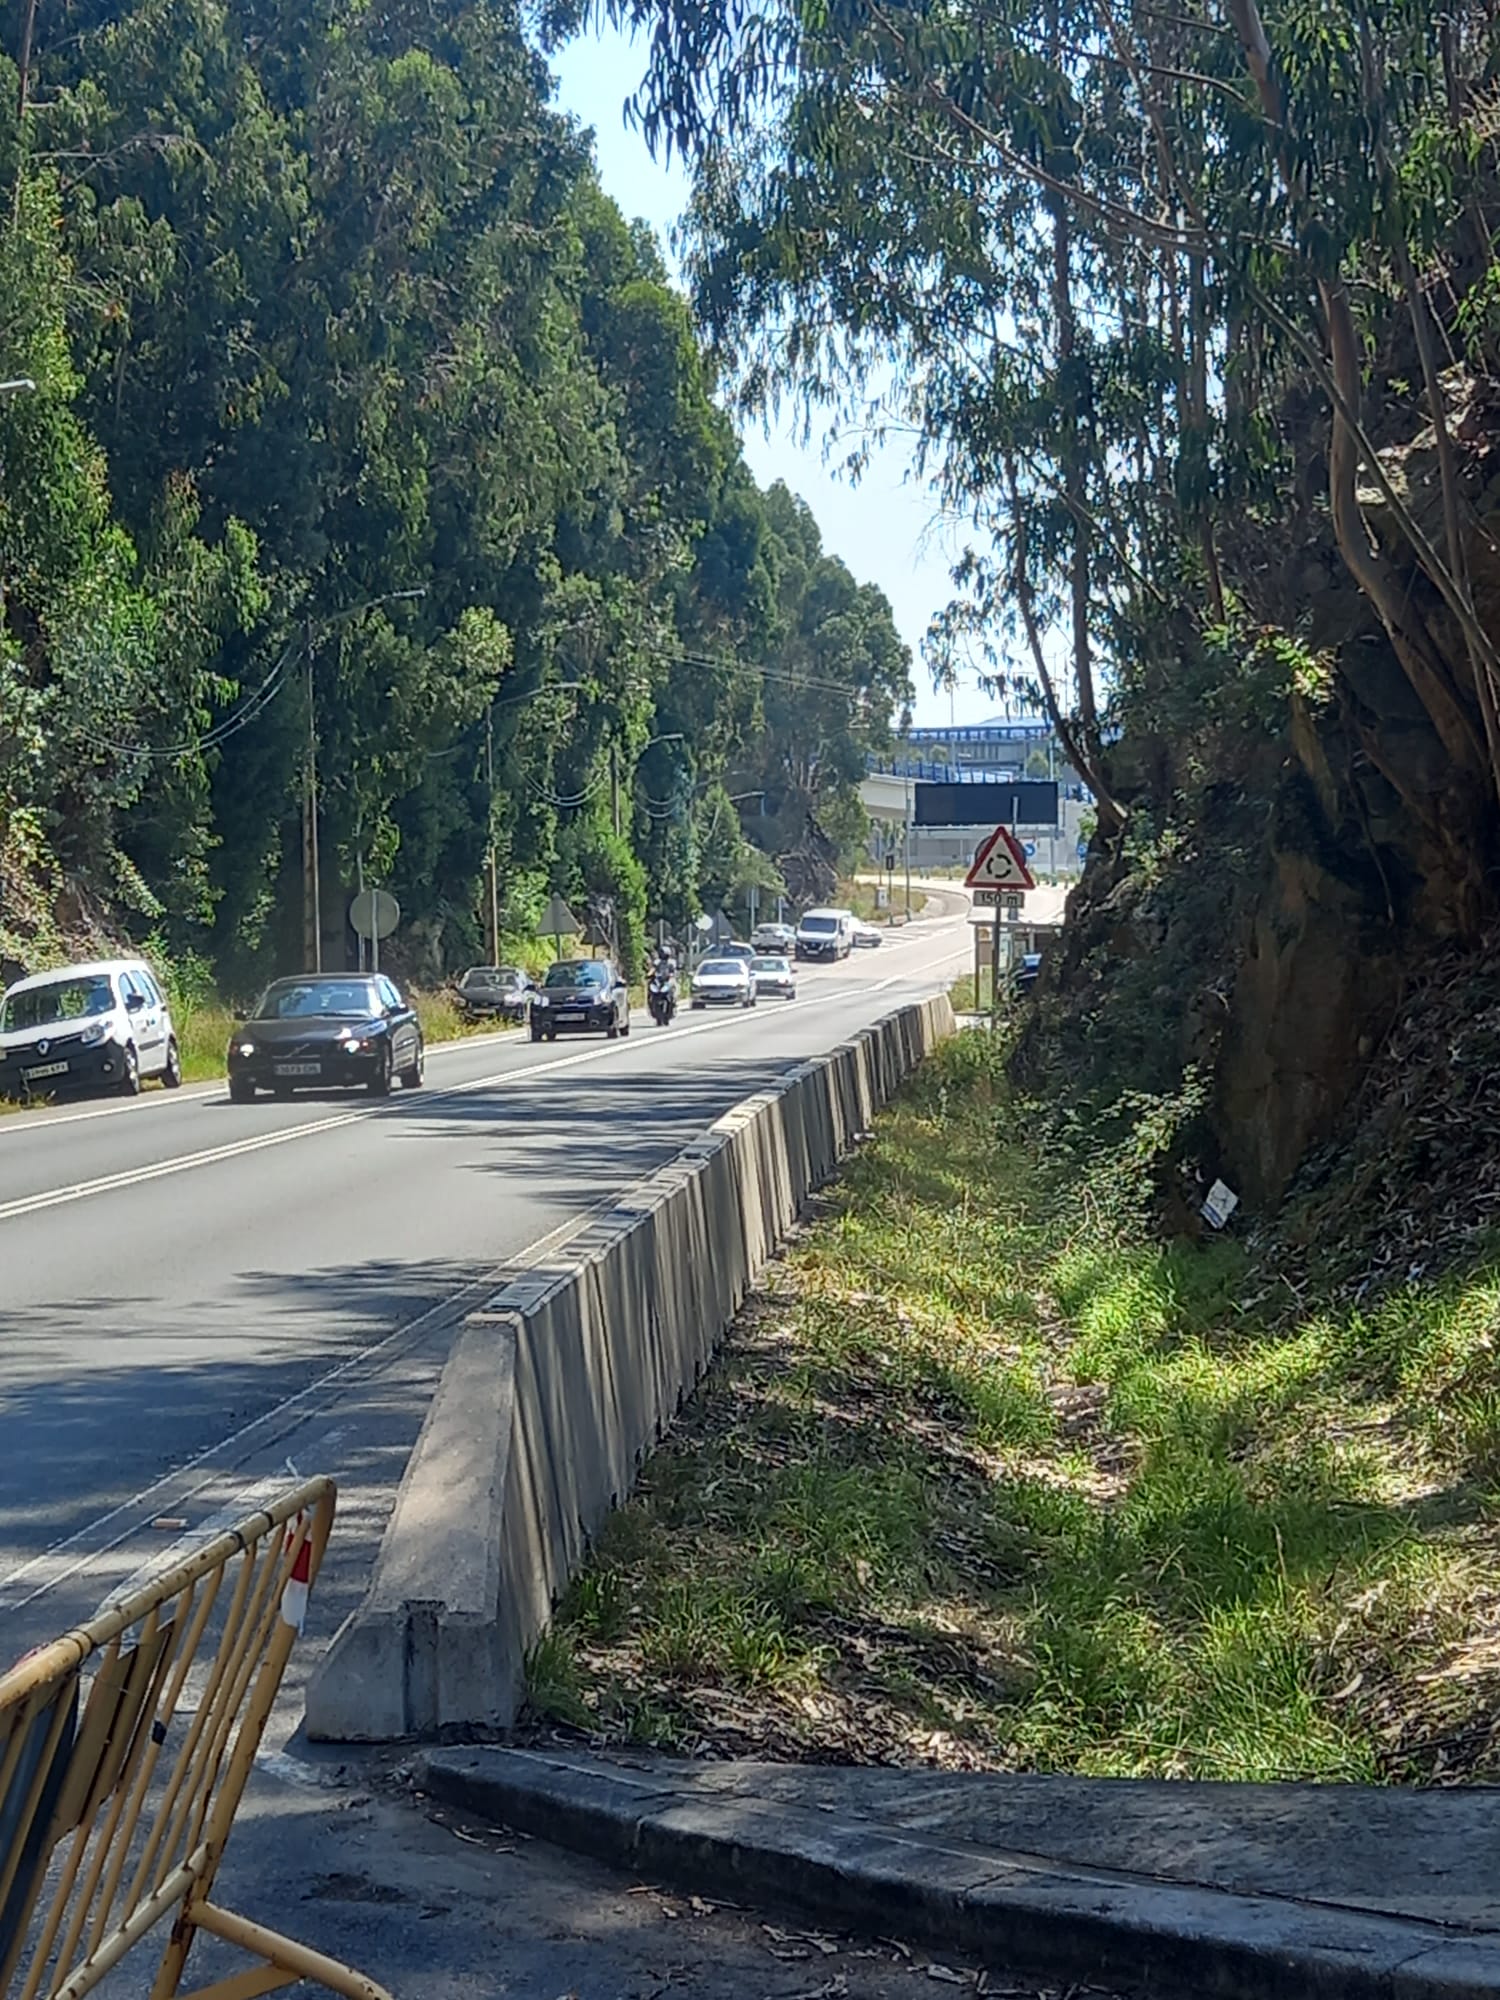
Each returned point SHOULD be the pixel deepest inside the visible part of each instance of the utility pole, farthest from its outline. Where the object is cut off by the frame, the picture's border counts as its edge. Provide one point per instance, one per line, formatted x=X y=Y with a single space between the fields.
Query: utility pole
x=492 y=866
x=312 y=905
x=614 y=786
x=359 y=890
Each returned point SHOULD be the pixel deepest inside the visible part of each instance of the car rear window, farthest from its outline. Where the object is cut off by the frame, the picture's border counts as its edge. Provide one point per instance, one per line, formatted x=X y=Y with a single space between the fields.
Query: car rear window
x=732 y=965
x=768 y=965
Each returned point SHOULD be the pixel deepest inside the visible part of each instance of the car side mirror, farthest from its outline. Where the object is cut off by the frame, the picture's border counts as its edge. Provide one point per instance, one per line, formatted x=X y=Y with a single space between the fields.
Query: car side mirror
x=134 y=1002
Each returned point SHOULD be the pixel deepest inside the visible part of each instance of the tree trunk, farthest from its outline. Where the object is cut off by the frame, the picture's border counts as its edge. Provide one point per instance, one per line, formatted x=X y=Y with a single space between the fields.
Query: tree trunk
x=1075 y=492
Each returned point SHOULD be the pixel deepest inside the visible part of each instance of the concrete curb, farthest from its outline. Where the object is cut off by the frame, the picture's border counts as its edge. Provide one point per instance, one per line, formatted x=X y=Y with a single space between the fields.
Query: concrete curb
x=1016 y=1911
x=563 y=1382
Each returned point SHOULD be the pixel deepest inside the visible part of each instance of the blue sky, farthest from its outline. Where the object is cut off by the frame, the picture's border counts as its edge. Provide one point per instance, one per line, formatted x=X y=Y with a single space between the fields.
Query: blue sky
x=883 y=528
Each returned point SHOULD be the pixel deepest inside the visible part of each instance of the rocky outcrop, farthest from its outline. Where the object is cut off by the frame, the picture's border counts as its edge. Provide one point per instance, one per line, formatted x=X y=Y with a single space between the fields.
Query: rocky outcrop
x=1282 y=882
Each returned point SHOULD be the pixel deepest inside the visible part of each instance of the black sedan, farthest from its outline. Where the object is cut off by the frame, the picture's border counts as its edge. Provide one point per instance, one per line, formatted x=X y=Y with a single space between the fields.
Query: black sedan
x=321 y=1030
x=581 y=996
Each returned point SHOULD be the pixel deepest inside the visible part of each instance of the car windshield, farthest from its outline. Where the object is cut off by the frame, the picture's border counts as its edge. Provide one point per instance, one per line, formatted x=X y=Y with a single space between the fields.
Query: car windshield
x=768 y=965
x=589 y=972
x=491 y=975
x=821 y=925
x=58 y=1000
x=718 y=967
x=297 y=999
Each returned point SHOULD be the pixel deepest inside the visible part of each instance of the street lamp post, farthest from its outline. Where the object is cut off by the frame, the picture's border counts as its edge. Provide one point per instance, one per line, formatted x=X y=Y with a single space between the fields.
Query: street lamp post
x=492 y=858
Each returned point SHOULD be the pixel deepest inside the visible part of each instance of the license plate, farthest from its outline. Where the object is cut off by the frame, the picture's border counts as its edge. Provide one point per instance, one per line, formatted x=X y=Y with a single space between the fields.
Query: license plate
x=573 y=1014
x=47 y=1069
x=299 y=1069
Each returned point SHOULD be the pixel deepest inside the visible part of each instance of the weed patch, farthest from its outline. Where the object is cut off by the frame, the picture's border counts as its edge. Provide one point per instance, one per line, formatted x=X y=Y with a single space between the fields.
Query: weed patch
x=988 y=1477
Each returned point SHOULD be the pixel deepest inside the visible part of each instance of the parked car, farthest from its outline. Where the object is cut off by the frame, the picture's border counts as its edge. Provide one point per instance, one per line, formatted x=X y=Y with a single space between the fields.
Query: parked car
x=581 y=996
x=774 y=938
x=724 y=982
x=322 y=1030
x=500 y=990
x=773 y=974
x=102 y=1026
x=825 y=934
x=866 y=936
x=1024 y=978
x=734 y=949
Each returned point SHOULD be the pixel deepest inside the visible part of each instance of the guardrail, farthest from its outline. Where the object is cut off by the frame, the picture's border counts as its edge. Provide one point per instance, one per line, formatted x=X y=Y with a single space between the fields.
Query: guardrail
x=125 y=1747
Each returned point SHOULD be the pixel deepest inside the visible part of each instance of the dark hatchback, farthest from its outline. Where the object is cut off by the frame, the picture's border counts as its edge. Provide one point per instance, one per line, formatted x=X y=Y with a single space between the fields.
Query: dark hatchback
x=581 y=996
x=317 y=1031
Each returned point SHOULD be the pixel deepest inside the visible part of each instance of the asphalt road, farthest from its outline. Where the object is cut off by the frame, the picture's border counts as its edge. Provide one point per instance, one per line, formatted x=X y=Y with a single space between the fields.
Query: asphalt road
x=193 y=1293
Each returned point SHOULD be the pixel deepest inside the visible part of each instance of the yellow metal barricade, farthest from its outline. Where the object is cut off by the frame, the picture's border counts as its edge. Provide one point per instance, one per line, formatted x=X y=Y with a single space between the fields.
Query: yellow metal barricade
x=125 y=1747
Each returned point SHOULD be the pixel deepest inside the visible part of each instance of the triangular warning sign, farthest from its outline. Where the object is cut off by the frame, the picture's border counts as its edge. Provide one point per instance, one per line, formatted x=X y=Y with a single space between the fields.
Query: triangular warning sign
x=557 y=920
x=999 y=863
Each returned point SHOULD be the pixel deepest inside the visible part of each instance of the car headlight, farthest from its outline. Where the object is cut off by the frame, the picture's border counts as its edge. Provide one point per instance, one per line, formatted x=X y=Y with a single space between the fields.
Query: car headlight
x=540 y=1000
x=97 y=1032
x=354 y=1045
x=246 y=1048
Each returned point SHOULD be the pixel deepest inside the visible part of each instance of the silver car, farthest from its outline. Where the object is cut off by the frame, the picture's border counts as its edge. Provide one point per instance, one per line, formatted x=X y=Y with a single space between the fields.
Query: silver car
x=774 y=975
x=724 y=982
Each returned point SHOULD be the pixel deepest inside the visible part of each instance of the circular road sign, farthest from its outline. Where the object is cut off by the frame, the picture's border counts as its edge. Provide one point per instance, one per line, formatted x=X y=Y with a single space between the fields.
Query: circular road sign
x=374 y=913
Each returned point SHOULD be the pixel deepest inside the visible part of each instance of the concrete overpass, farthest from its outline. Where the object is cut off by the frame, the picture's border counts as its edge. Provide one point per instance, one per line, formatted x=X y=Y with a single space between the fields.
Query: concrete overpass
x=887 y=798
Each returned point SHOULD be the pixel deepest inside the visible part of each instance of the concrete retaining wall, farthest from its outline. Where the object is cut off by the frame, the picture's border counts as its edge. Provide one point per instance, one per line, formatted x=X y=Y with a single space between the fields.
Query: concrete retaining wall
x=556 y=1390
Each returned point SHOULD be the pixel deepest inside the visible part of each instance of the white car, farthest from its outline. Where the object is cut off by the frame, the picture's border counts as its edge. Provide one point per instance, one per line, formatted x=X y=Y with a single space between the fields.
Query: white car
x=865 y=936
x=773 y=974
x=723 y=982
x=825 y=934
x=101 y=1026
x=774 y=939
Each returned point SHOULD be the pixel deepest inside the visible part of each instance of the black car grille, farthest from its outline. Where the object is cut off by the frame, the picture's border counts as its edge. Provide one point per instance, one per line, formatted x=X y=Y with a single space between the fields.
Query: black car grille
x=57 y=1045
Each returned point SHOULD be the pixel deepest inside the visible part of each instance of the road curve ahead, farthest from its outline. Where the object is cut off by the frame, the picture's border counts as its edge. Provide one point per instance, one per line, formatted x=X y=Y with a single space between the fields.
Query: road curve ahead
x=193 y=1293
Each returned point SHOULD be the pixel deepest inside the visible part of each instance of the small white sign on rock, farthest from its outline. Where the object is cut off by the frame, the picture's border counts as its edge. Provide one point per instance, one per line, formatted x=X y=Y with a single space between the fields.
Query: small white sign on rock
x=1219 y=1204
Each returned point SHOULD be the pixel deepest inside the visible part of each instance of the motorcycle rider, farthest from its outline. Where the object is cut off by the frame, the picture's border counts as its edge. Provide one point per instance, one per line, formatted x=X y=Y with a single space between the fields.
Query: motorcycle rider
x=663 y=977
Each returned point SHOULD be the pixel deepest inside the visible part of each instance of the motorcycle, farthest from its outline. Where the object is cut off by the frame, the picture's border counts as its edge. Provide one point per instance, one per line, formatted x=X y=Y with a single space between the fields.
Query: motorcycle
x=661 y=997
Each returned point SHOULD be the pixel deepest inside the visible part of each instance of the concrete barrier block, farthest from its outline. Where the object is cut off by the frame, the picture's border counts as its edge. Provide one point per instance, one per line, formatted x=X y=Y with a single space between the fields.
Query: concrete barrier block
x=557 y=1389
x=419 y=1653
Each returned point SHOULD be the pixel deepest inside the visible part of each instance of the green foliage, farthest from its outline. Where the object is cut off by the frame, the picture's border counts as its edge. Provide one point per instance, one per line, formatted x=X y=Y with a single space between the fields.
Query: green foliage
x=1077 y=255
x=994 y=1477
x=364 y=415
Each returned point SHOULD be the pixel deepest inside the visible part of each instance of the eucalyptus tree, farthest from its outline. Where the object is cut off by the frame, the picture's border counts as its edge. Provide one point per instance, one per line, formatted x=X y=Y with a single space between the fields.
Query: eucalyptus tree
x=1090 y=252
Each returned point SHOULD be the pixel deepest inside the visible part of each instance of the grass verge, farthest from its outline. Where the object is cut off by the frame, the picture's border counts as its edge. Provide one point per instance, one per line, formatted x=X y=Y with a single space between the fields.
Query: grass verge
x=988 y=1477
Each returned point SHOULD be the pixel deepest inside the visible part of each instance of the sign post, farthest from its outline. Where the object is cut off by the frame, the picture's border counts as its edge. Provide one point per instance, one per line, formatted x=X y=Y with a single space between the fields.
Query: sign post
x=558 y=922
x=999 y=875
x=374 y=914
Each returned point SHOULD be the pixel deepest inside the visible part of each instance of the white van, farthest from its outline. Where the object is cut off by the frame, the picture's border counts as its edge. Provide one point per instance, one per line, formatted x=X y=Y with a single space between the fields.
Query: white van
x=825 y=933
x=104 y=1026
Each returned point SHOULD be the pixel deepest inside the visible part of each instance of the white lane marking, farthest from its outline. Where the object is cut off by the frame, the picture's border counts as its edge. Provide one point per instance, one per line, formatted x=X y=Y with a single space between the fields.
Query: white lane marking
x=133 y=1176
x=139 y=1502
x=194 y=1093
x=541 y=1247
x=182 y=1163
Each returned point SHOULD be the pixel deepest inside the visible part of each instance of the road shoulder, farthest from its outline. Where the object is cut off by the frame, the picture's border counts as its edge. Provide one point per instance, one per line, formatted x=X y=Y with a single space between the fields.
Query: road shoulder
x=934 y=1856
